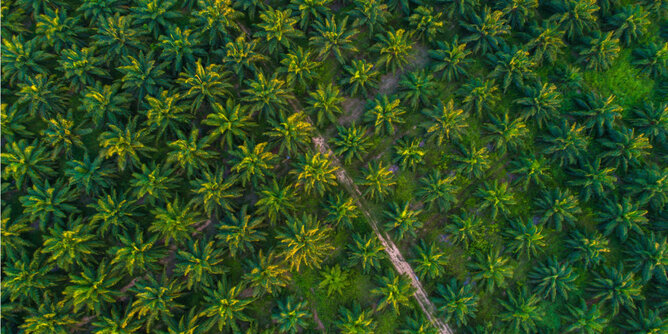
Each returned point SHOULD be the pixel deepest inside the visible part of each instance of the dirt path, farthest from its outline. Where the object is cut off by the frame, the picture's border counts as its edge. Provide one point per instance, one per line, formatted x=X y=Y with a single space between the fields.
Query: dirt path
x=390 y=248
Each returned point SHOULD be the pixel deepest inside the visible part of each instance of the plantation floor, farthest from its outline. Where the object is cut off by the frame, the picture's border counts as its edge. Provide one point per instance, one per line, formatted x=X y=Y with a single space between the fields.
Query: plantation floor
x=391 y=249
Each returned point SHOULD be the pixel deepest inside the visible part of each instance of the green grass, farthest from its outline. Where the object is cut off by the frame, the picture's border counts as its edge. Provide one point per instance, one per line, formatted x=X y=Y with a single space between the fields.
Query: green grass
x=622 y=80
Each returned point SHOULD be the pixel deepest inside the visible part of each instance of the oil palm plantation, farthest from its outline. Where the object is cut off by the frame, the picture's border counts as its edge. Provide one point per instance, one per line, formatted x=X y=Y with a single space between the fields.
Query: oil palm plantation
x=230 y=121
x=305 y=241
x=378 y=180
x=200 y=262
x=166 y=114
x=588 y=248
x=621 y=216
x=190 y=153
x=277 y=30
x=267 y=96
x=333 y=37
x=208 y=83
x=464 y=228
x=394 y=49
x=315 y=173
x=540 y=103
x=325 y=103
x=224 y=307
x=23 y=161
x=593 y=180
x=615 y=288
x=213 y=191
x=366 y=251
x=491 y=270
x=566 y=143
x=291 y=315
x=521 y=313
x=393 y=290
x=558 y=206
x=253 y=162
x=48 y=203
x=360 y=77
x=485 y=30
x=525 y=238
x=446 y=122
x=429 y=262
x=453 y=59
x=385 y=113
x=472 y=161
x=496 y=197
x=240 y=231
x=351 y=142
x=402 y=220
x=456 y=301
x=174 y=222
x=530 y=170
x=438 y=191
x=276 y=200
x=552 y=279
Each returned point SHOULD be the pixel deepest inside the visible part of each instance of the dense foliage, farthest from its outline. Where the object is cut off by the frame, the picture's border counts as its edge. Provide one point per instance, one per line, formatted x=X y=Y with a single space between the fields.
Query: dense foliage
x=166 y=165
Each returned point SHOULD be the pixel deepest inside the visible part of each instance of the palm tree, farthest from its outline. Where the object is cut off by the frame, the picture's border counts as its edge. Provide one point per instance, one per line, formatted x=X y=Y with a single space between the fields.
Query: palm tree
x=630 y=23
x=540 y=103
x=277 y=30
x=72 y=246
x=486 y=29
x=224 y=307
x=649 y=255
x=456 y=301
x=577 y=17
x=213 y=191
x=553 y=279
x=54 y=28
x=80 y=65
x=351 y=142
x=266 y=274
x=478 y=95
x=360 y=77
x=365 y=250
x=430 y=261
x=252 y=162
x=22 y=60
x=48 y=317
x=200 y=262
x=652 y=59
x=651 y=120
x=155 y=15
x=13 y=122
x=409 y=153
x=116 y=320
x=505 y=133
x=593 y=180
x=200 y=83
x=179 y=47
x=401 y=219
x=174 y=222
x=512 y=65
x=621 y=216
x=62 y=135
x=519 y=11
x=334 y=280
x=333 y=37
x=90 y=289
x=438 y=190
x=166 y=112
x=104 y=103
x=648 y=186
x=491 y=270
x=587 y=247
x=27 y=277
x=394 y=48
x=249 y=6
x=372 y=13
x=114 y=212
x=155 y=182
x=190 y=153
x=41 y=95
x=355 y=320
x=155 y=300
x=341 y=210
x=643 y=320
x=241 y=55
x=446 y=122
x=394 y=290
x=325 y=102
x=315 y=172
x=426 y=23
x=473 y=162
x=291 y=315
x=239 y=232
x=497 y=197
x=464 y=228
x=384 y=114
x=305 y=242
x=615 y=286
x=521 y=312
x=378 y=180
x=13 y=243
x=565 y=142
x=276 y=200
x=530 y=169
x=310 y=10
x=558 y=206
x=299 y=67
x=22 y=161
x=548 y=42
x=418 y=323
x=600 y=52
x=525 y=238
x=136 y=255
x=451 y=58
x=217 y=19
x=48 y=203
x=584 y=318
x=115 y=35
x=268 y=96
x=418 y=87
x=462 y=8
x=625 y=149
x=142 y=75
x=229 y=121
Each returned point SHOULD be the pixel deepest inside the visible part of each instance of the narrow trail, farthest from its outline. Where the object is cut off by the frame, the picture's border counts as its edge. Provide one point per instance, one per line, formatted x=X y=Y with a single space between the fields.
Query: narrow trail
x=391 y=249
